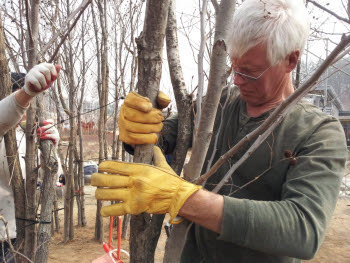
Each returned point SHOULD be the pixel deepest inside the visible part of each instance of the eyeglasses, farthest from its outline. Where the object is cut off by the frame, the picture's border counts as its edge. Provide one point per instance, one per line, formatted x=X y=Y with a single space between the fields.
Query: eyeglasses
x=247 y=77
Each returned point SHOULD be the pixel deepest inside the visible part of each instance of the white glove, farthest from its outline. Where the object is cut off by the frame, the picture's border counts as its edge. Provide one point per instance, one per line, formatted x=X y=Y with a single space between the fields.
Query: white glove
x=48 y=132
x=40 y=78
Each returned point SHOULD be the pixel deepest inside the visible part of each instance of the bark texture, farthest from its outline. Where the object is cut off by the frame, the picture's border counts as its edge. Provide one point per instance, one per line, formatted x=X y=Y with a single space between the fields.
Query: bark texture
x=145 y=229
x=217 y=80
x=183 y=99
x=31 y=172
x=203 y=13
x=49 y=165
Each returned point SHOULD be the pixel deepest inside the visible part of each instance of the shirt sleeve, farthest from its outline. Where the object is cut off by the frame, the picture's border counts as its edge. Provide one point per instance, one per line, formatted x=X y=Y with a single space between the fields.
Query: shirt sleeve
x=294 y=226
x=11 y=113
x=168 y=135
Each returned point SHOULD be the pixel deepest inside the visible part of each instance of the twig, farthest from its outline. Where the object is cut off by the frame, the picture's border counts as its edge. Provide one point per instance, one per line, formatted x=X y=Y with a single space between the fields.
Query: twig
x=279 y=112
x=329 y=11
x=60 y=32
x=229 y=88
x=7 y=232
x=22 y=255
x=12 y=249
x=82 y=9
x=332 y=65
x=255 y=145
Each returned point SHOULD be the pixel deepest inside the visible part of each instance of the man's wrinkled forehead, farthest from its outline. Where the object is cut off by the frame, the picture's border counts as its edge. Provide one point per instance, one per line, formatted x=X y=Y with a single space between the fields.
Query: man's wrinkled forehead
x=256 y=56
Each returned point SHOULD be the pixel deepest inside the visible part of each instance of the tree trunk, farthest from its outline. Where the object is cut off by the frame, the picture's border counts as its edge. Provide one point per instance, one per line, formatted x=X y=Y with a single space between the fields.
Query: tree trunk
x=69 y=194
x=31 y=172
x=126 y=223
x=81 y=196
x=183 y=99
x=81 y=174
x=55 y=214
x=116 y=101
x=68 y=169
x=77 y=189
x=217 y=80
x=203 y=13
x=104 y=74
x=99 y=222
x=184 y=106
x=50 y=167
x=145 y=229
x=123 y=151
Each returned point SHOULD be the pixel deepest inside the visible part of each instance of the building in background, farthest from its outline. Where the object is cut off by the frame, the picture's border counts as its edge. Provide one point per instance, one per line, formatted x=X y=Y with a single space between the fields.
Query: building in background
x=333 y=107
x=344 y=117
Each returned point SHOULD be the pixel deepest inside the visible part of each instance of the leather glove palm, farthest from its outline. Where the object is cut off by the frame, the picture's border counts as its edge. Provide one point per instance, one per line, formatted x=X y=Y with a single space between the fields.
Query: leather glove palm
x=141 y=187
x=139 y=121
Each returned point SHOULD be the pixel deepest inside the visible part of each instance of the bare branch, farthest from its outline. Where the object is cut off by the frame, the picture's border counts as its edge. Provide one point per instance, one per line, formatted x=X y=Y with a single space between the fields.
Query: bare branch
x=335 y=61
x=12 y=249
x=229 y=88
x=329 y=11
x=217 y=80
x=79 y=10
x=28 y=23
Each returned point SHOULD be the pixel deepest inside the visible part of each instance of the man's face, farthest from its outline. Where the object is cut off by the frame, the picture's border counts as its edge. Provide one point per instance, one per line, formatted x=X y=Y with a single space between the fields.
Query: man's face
x=269 y=83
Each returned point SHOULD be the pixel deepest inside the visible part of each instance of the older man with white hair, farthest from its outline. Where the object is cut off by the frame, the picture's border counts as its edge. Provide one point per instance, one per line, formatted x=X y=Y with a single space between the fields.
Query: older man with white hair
x=278 y=203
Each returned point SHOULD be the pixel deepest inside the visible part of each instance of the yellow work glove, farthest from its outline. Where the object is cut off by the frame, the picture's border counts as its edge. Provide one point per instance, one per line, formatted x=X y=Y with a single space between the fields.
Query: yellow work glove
x=139 y=121
x=141 y=187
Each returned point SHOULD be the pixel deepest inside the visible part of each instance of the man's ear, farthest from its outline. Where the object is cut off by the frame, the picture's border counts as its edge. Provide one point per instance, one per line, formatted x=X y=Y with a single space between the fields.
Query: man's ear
x=292 y=60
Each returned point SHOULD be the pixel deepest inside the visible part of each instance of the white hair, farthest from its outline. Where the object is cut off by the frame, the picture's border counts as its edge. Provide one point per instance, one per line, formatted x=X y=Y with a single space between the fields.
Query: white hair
x=282 y=25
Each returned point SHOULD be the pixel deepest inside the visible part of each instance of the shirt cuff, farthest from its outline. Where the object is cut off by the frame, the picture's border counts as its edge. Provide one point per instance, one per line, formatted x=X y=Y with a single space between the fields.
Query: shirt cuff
x=17 y=103
x=129 y=148
x=235 y=220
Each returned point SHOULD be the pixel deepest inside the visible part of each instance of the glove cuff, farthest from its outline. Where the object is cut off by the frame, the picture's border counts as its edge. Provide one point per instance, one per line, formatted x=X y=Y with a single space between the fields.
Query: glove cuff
x=29 y=92
x=185 y=190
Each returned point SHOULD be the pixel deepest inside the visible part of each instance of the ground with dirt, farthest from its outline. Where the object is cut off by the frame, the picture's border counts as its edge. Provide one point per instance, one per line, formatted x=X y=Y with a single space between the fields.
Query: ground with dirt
x=84 y=248
x=336 y=246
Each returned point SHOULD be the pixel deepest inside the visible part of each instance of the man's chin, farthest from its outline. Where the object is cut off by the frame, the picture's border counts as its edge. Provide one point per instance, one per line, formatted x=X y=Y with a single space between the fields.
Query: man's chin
x=250 y=99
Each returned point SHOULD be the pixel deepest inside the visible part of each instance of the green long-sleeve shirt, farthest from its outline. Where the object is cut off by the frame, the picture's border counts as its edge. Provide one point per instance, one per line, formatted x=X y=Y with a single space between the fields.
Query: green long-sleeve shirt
x=282 y=216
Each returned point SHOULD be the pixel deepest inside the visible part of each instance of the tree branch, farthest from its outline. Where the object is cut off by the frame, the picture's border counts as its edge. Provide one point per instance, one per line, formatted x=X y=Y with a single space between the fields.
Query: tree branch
x=79 y=10
x=216 y=6
x=217 y=80
x=28 y=23
x=329 y=11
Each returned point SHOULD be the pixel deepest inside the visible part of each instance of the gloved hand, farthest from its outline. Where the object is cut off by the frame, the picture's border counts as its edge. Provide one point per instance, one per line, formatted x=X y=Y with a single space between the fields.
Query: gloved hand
x=141 y=187
x=47 y=131
x=40 y=78
x=138 y=121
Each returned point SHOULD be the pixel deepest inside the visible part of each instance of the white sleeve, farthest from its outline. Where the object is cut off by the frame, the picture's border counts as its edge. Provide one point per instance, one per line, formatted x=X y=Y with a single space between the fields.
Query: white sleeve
x=10 y=113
